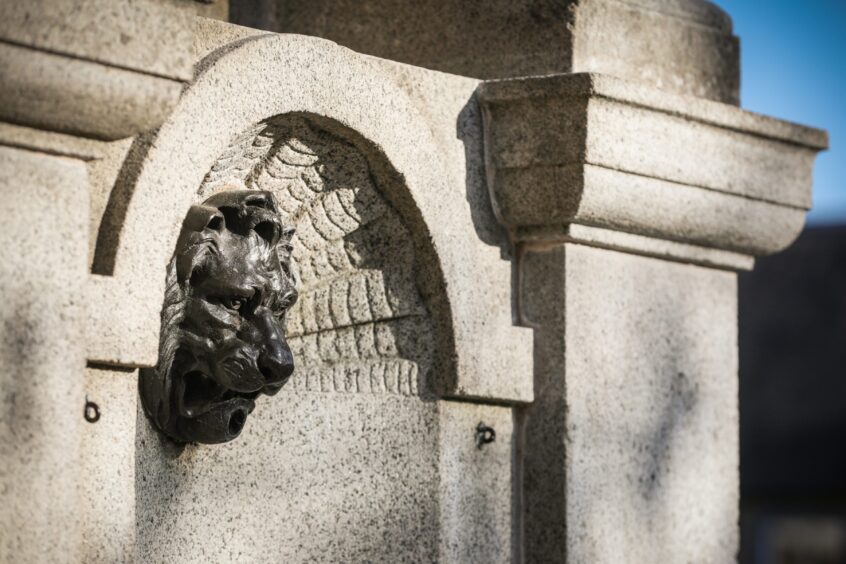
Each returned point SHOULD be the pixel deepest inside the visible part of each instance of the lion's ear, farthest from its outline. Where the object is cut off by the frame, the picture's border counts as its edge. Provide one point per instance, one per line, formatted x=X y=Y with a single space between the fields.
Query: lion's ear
x=202 y=224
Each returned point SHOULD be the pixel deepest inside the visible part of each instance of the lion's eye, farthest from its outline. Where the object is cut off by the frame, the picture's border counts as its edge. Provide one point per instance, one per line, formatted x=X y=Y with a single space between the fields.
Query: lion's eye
x=235 y=304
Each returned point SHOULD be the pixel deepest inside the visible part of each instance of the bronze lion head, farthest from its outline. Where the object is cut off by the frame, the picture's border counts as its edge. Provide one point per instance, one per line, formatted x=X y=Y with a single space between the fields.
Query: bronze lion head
x=229 y=287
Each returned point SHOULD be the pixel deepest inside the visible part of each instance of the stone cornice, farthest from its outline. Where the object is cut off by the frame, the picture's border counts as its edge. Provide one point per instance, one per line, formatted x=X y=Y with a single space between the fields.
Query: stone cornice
x=138 y=36
x=601 y=152
x=92 y=68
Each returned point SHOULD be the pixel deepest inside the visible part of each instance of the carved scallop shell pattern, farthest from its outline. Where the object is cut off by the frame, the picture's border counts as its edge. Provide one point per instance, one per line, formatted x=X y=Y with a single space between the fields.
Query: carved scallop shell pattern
x=360 y=324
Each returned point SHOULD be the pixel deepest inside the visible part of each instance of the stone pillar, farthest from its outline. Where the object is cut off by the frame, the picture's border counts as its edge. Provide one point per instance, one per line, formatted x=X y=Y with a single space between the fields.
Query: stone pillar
x=632 y=446
x=631 y=209
x=75 y=73
x=42 y=274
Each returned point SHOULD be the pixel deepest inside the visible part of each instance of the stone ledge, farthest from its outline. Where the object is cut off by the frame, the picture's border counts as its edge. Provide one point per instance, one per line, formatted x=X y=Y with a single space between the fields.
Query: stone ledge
x=50 y=142
x=57 y=93
x=139 y=36
x=636 y=94
x=92 y=68
x=639 y=160
x=638 y=245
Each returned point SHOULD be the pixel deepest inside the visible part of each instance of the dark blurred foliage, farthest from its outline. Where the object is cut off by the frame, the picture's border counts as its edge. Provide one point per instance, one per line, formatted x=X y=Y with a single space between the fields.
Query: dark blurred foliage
x=793 y=403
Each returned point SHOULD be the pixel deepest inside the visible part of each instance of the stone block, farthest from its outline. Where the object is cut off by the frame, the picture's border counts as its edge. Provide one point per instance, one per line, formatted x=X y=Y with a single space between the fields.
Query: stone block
x=314 y=476
x=478 y=485
x=42 y=336
x=51 y=142
x=107 y=487
x=333 y=476
x=75 y=96
x=140 y=36
x=632 y=446
x=683 y=46
x=91 y=67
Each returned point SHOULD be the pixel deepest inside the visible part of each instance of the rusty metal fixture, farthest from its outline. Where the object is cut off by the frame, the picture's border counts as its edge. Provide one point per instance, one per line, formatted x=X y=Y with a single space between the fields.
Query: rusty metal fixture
x=91 y=411
x=484 y=435
x=222 y=344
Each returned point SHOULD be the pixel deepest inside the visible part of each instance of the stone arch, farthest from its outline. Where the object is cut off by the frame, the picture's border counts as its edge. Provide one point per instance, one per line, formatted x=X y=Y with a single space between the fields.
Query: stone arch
x=242 y=86
x=361 y=323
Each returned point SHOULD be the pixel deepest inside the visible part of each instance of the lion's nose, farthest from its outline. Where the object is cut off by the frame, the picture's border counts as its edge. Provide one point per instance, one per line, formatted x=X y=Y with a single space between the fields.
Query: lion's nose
x=276 y=363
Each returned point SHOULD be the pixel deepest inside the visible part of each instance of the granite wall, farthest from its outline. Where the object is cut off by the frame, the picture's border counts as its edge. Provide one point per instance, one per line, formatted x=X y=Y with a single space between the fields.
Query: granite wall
x=518 y=233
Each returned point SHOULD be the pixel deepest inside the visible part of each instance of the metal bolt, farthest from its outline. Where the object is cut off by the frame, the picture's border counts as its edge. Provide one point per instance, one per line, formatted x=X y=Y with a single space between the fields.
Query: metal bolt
x=92 y=411
x=484 y=435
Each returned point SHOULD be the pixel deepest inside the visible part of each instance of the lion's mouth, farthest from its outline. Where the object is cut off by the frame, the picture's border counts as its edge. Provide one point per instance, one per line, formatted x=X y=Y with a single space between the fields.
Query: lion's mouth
x=201 y=396
x=201 y=393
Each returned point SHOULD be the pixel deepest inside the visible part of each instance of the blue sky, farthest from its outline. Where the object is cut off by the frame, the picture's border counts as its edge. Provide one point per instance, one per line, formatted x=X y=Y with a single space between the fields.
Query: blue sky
x=793 y=67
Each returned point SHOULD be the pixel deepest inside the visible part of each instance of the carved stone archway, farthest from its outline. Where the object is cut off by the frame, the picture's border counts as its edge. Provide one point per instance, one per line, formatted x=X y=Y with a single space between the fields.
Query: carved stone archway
x=402 y=304
x=240 y=87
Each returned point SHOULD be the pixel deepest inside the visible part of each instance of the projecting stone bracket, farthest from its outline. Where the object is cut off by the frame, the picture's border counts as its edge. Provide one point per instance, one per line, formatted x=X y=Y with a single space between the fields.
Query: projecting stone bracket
x=609 y=163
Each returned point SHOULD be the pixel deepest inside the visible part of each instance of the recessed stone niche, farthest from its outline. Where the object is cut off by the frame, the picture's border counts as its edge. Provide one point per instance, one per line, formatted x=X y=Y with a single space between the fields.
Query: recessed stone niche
x=360 y=325
x=347 y=462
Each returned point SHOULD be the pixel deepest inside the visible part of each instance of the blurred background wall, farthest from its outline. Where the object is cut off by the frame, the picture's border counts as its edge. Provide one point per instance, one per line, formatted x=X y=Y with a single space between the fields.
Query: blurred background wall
x=793 y=305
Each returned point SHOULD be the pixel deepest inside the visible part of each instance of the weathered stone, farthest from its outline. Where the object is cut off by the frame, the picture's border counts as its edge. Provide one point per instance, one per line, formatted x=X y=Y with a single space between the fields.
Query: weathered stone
x=51 y=142
x=408 y=358
x=111 y=84
x=103 y=173
x=54 y=79
x=42 y=336
x=631 y=450
x=140 y=36
x=629 y=158
x=332 y=476
x=315 y=476
x=477 y=524
x=216 y=9
x=644 y=245
x=684 y=46
x=354 y=460
x=629 y=168
x=222 y=109
x=107 y=491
